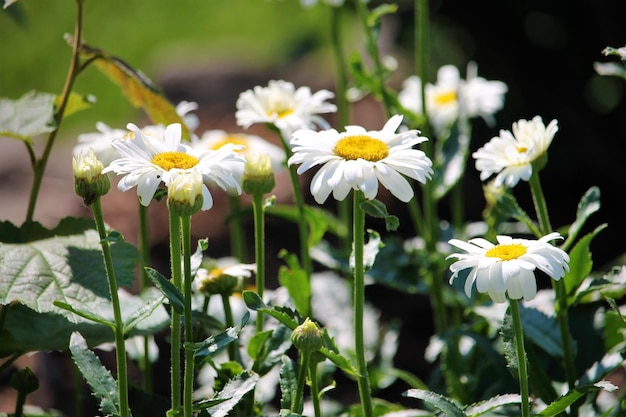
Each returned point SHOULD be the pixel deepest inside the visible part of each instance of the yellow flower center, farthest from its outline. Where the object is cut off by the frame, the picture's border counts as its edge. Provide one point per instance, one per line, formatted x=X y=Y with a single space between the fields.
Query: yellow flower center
x=361 y=147
x=280 y=112
x=446 y=98
x=171 y=160
x=506 y=252
x=522 y=149
x=234 y=139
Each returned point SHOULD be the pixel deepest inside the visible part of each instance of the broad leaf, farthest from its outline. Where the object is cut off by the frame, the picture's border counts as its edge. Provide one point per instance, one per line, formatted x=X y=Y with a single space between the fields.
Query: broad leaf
x=446 y=405
x=232 y=393
x=568 y=399
x=30 y=115
x=76 y=103
x=103 y=386
x=377 y=209
x=542 y=330
x=67 y=268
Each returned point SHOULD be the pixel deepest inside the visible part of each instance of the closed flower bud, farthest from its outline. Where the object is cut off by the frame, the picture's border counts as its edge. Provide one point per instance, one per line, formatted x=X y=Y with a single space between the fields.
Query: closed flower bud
x=184 y=193
x=258 y=177
x=307 y=337
x=89 y=181
x=25 y=381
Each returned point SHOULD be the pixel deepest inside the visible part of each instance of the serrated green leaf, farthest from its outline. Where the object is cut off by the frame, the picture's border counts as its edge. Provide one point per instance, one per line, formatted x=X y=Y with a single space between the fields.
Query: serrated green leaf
x=589 y=204
x=169 y=290
x=492 y=403
x=508 y=342
x=254 y=302
x=215 y=343
x=28 y=116
x=542 y=330
x=67 y=268
x=287 y=382
x=561 y=403
x=446 y=405
x=331 y=351
x=142 y=313
x=580 y=263
x=296 y=281
x=232 y=393
x=103 y=386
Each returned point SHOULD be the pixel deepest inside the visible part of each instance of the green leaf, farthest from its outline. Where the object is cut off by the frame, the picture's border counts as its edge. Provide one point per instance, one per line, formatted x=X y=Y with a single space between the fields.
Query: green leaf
x=140 y=91
x=580 y=263
x=561 y=404
x=331 y=351
x=296 y=281
x=288 y=382
x=272 y=349
x=169 y=290
x=446 y=405
x=542 y=330
x=320 y=221
x=232 y=393
x=96 y=318
x=255 y=345
x=215 y=343
x=68 y=268
x=508 y=341
x=103 y=386
x=483 y=407
x=28 y=116
x=507 y=208
x=142 y=313
x=377 y=14
x=611 y=285
x=76 y=103
x=254 y=302
x=370 y=250
x=589 y=204
x=377 y=209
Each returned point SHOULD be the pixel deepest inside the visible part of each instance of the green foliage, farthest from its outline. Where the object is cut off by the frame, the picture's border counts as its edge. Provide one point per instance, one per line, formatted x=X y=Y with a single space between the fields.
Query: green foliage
x=447 y=406
x=30 y=115
x=214 y=344
x=103 y=386
x=377 y=209
x=169 y=290
x=233 y=393
x=293 y=277
x=580 y=263
x=589 y=204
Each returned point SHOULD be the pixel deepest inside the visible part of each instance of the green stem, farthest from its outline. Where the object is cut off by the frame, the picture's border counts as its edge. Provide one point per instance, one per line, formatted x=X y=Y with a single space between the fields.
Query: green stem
x=559 y=288
x=237 y=235
x=175 y=261
x=343 y=206
x=120 y=349
x=358 y=217
x=187 y=281
x=302 y=220
x=259 y=251
x=19 y=404
x=230 y=322
x=521 y=356
x=373 y=51
x=144 y=248
x=39 y=167
x=315 y=388
x=298 y=399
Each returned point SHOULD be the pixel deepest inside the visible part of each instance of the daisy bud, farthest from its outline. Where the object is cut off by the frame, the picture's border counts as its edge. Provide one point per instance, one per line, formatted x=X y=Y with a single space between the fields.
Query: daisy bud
x=89 y=181
x=258 y=177
x=216 y=281
x=24 y=381
x=308 y=337
x=184 y=193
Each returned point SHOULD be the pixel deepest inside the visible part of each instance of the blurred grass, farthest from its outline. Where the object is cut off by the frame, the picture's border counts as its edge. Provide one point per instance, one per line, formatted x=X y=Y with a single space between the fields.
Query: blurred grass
x=151 y=36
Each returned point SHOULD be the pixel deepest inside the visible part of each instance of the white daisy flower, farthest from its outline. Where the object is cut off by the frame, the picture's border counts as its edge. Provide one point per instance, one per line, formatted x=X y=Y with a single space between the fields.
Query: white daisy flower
x=214 y=139
x=358 y=159
x=512 y=154
x=147 y=161
x=508 y=267
x=101 y=141
x=283 y=106
x=450 y=96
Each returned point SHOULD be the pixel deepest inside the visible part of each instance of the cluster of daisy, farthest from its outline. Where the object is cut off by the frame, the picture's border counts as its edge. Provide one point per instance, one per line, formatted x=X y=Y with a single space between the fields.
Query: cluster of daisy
x=452 y=97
